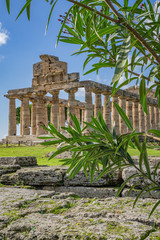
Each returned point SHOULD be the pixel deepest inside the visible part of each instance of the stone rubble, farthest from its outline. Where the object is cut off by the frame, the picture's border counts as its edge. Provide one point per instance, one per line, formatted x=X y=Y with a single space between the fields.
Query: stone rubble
x=35 y=214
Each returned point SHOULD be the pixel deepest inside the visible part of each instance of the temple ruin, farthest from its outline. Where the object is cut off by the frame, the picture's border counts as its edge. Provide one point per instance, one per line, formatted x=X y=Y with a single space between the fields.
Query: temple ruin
x=50 y=76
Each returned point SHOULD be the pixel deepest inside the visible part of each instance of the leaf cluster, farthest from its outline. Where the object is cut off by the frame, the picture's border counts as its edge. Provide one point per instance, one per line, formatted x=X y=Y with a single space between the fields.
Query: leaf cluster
x=97 y=149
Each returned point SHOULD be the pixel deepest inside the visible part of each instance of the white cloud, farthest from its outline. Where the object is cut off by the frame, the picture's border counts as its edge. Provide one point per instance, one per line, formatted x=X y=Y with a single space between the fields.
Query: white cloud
x=3 y=35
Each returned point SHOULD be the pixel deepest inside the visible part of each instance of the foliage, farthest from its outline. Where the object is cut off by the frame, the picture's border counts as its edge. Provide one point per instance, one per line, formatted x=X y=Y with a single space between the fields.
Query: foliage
x=124 y=37
x=95 y=146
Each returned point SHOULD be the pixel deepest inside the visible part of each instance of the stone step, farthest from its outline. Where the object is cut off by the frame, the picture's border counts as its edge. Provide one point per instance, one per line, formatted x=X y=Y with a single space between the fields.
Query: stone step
x=21 y=161
x=5 y=169
x=53 y=176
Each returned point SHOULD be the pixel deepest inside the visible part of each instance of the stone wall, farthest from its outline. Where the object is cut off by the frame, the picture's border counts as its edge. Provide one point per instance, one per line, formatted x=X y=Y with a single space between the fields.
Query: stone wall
x=25 y=172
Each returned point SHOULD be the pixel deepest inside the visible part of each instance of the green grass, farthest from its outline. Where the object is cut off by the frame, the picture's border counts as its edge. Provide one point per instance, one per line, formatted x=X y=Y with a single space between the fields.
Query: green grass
x=40 y=153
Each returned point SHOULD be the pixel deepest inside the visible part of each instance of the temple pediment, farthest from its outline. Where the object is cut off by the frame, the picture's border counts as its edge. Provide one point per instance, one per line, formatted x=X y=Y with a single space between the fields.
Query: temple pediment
x=50 y=71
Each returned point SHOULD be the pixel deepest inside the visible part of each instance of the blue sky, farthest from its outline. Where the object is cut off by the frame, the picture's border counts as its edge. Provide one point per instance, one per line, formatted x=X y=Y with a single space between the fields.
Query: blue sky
x=21 y=43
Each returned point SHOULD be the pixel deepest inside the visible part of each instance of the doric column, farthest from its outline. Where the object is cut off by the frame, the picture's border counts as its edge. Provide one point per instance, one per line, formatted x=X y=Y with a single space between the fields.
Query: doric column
x=156 y=114
x=33 y=117
x=62 y=116
x=21 y=111
x=129 y=111
x=77 y=113
x=82 y=117
x=25 y=116
x=88 y=105
x=98 y=104
x=55 y=108
x=12 y=117
x=141 y=118
x=115 y=115
x=45 y=113
x=71 y=103
x=152 y=117
x=107 y=110
x=135 y=115
x=122 y=125
x=40 y=113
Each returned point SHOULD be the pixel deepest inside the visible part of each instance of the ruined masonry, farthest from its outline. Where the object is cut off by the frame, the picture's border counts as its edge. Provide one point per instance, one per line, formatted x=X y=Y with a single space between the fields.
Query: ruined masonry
x=50 y=76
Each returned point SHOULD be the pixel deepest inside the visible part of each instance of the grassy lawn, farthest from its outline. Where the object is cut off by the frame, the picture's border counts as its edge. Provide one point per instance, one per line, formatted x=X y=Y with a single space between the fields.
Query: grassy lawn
x=40 y=153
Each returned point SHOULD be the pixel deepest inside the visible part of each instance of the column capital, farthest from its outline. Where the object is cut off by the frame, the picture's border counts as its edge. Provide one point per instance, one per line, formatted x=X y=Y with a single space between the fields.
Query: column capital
x=54 y=92
x=9 y=96
x=96 y=91
x=40 y=93
x=71 y=90
x=106 y=93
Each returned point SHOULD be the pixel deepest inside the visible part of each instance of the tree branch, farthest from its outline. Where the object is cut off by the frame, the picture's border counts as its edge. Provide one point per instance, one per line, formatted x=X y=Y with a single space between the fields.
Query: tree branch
x=94 y=10
x=133 y=31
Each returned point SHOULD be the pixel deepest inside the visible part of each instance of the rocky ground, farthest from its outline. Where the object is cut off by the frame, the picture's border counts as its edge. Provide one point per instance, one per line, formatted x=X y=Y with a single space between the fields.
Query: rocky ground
x=39 y=214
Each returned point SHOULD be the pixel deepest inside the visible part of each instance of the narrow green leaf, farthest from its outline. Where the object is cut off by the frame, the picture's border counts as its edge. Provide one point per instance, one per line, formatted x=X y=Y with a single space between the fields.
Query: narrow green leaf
x=155 y=132
x=23 y=8
x=154 y=208
x=8 y=5
x=60 y=31
x=123 y=116
x=125 y=182
x=122 y=58
x=50 y=14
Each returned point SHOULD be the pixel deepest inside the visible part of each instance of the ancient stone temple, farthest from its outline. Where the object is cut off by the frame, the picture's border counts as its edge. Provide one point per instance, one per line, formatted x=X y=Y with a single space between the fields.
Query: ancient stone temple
x=50 y=76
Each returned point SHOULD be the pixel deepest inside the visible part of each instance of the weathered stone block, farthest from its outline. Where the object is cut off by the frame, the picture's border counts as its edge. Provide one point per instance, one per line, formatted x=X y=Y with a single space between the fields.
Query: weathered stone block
x=39 y=176
x=8 y=169
x=21 y=161
x=134 y=193
x=80 y=179
x=89 y=192
x=141 y=181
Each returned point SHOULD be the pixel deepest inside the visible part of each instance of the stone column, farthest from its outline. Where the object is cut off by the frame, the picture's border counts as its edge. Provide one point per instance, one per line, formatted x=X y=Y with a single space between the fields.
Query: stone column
x=33 y=117
x=21 y=111
x=45 y=113
x=122 y=125
x=82 y=118
x=55 y=108
x=98 y=104
x=135 y=115
x=77 y=113
x=141 y=118
x=115 y=115
x=40 y=113
x=107 y=111
x=156 y=114
x=12 y=117
x=62 y=116
x=129 y=112
x=152 y=117
x=88 y=105
x=71 y=103
x=25 y=116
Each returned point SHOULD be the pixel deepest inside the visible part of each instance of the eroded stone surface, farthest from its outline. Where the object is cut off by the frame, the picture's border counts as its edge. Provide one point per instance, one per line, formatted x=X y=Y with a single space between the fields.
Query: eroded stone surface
x=80 y=179
x=141 y=181
x=21 y=161
x=27 y=214
x=4 y=169
x=38 y=176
